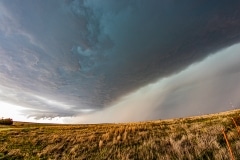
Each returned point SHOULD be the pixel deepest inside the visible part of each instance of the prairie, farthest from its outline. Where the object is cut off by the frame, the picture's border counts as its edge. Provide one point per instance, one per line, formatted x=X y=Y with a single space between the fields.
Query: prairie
x=194 y=138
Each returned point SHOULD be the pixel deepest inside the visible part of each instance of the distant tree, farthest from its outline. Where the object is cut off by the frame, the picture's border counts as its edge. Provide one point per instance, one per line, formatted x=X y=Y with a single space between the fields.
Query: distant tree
x=6 y=121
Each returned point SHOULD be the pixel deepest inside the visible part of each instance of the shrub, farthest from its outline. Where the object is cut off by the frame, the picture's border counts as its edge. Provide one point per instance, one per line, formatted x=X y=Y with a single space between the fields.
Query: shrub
x=6 y=121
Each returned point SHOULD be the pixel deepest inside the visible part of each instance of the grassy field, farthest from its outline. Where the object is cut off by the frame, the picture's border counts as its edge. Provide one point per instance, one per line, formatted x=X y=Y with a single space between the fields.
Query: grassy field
x=196 y=138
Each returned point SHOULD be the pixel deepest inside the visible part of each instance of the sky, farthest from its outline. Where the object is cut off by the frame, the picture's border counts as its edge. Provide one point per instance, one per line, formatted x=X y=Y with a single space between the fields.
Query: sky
x=109 y=61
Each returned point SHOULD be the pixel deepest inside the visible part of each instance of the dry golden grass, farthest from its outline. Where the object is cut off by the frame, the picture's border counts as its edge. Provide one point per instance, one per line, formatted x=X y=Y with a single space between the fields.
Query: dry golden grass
x=193 y=138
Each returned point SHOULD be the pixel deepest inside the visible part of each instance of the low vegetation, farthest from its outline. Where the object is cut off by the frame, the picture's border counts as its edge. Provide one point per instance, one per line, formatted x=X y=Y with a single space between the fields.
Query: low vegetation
x=6 y=121
x=196 y=138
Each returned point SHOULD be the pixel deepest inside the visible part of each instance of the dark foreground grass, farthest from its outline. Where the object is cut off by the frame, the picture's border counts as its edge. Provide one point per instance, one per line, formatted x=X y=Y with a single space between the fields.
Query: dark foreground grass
x=196 y=138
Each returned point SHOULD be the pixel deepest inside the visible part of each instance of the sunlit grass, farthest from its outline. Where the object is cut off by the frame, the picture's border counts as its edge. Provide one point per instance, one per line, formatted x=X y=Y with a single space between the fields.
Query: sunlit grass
x=189 y=138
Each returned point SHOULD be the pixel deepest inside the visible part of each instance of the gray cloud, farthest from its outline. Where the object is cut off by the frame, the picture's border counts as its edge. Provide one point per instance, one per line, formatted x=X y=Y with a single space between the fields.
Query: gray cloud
x=63 y=57
x=202 y=88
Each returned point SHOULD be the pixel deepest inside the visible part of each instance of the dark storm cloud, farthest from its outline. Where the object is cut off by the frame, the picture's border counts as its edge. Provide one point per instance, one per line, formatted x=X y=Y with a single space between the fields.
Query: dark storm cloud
x=202 y=88
x=64 y=57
